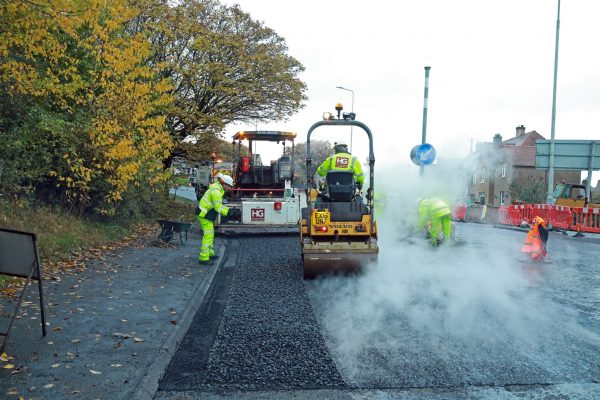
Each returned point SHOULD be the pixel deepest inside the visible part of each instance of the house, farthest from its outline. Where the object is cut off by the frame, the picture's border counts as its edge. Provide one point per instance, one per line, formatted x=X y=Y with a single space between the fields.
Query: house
x=495 y=166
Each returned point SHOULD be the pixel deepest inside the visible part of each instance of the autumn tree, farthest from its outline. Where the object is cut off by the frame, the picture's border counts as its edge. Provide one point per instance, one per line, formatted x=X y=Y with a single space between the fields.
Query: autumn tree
x=320 y=150
x=225 y=68
x=81 y=105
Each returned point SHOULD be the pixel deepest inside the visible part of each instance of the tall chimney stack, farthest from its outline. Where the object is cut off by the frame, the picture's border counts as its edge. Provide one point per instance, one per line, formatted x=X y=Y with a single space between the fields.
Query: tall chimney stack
x=497 y=140
x=520 y=130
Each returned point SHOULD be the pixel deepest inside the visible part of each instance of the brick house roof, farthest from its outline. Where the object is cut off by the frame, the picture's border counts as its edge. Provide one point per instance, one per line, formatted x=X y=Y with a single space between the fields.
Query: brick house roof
x=521 y=149
x=521 y=156
x=526 y=139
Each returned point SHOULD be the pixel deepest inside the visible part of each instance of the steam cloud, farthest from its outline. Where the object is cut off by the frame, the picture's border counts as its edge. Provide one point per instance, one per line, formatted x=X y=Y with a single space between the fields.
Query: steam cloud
x=451 y=316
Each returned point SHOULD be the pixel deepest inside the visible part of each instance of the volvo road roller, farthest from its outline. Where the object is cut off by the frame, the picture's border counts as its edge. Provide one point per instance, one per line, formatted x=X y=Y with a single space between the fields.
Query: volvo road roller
x=338 y=233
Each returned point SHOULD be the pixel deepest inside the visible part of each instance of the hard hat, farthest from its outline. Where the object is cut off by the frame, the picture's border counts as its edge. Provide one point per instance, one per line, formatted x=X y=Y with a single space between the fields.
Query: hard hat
x=340 y=148
x=225 y=179
x=423 y=201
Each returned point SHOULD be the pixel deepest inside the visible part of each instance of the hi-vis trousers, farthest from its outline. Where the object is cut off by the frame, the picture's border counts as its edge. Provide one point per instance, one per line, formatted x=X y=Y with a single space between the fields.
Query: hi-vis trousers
x=208 y=237
x=443 y=223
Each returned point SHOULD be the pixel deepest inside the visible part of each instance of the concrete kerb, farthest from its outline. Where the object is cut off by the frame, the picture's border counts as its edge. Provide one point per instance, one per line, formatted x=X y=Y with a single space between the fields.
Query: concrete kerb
x=147 y=386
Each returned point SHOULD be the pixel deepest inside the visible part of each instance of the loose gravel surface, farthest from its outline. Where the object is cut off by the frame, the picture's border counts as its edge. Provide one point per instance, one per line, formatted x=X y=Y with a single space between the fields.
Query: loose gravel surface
x=268 y=337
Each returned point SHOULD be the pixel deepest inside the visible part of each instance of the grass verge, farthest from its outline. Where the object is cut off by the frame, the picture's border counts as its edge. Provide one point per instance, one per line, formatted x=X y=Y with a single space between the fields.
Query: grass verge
x=59 y=234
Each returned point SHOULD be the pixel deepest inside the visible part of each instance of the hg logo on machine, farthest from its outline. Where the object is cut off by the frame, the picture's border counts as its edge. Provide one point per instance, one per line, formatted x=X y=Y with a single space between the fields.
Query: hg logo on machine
x=257 y=214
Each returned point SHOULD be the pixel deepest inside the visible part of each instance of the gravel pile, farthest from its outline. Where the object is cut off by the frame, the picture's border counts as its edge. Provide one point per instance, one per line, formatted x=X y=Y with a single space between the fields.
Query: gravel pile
x=269 y=337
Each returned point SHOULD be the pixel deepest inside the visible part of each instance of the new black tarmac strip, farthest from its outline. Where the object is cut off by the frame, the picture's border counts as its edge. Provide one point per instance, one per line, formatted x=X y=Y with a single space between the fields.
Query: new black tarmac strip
x=189 y=365
x=268 y=337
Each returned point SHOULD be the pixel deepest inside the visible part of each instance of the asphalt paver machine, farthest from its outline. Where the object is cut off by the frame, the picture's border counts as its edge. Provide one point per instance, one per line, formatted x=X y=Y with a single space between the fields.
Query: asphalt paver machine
x=263 y=192
x=338 y=232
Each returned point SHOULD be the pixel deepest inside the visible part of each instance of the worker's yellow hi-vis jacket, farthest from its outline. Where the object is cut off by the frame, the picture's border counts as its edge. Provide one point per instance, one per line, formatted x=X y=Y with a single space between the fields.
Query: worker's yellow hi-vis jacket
x=213 y=199
x=342 y=162
x=439 y=208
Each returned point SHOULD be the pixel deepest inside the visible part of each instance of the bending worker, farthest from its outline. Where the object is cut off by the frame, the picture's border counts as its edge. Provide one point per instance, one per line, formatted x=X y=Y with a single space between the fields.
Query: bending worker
x=211 y=205
x=535 y=242
x=342 y=160
x=438 y=214
x=423 y=211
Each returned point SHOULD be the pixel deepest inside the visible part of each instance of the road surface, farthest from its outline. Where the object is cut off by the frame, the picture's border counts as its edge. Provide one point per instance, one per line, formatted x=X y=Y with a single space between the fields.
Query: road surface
x=476 y=320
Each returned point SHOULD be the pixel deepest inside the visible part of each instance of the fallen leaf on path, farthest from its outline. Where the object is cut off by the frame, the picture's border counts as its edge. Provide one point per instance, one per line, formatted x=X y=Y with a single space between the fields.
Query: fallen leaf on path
x=12 y=391
x=121 y=335
x=57 y=329
x=55 y=365
x=49 y=385
x=95 y=372
x=138 y=340
x=8 y=366
x=116 y=365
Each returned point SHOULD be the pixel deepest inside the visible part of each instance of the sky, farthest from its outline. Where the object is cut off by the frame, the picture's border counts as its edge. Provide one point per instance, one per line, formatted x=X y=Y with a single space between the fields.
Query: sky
x=492 y=65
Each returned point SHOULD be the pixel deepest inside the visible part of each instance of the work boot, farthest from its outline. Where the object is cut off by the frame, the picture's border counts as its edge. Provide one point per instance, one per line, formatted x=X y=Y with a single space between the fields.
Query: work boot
x=214 y=257
x=206 y=262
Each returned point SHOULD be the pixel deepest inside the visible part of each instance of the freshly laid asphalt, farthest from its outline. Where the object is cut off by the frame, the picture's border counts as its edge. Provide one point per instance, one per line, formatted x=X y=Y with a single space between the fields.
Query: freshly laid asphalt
x=112 y=329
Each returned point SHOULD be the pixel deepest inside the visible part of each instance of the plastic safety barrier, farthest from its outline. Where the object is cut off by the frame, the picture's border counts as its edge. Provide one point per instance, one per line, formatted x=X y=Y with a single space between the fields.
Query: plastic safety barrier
x=543 y=211
x=460 y=212
x=504 y=215
x=561 y=217
x=586 y=219
x=582 y=219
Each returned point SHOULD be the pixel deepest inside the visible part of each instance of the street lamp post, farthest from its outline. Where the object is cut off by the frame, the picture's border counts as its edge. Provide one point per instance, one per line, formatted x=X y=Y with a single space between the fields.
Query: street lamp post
x=352 y=110
x=425 y=106
x=553 y=123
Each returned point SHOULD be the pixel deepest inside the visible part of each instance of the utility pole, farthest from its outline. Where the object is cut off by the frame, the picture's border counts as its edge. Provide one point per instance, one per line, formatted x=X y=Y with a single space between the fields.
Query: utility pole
x=425 y=106
x=552 y=126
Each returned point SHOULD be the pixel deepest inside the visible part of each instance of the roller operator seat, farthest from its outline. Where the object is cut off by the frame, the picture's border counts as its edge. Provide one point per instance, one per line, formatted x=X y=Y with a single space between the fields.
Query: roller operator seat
x=340 y=185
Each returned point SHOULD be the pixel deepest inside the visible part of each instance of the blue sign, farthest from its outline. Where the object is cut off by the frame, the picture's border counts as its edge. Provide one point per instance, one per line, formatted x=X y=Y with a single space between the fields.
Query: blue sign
x=423 y=154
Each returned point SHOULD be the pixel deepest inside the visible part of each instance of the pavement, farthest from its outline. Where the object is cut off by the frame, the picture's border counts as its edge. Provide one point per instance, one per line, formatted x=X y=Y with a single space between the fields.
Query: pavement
x=112 y=328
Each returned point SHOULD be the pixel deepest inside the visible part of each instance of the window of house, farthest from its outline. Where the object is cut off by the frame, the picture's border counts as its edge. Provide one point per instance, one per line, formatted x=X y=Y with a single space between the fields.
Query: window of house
x=474 y=178
x=471 y=198
x=482 y=178
x=482 y=197
x=503 y=170
x=502 y=198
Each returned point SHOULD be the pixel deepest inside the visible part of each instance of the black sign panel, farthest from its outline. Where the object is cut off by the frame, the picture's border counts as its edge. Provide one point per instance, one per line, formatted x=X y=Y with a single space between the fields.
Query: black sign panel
x=18 y=253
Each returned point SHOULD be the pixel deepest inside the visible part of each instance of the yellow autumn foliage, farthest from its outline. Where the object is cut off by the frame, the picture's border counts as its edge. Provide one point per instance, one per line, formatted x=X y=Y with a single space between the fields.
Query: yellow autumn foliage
x=79 y=55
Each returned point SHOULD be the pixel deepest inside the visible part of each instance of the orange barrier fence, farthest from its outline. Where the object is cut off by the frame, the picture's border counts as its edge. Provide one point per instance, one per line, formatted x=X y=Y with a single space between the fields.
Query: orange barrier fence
x=561 y=217
x=542 y=210
x=460 y=212
x=580 y=219
x=515 y=214
x=504 y=215
x=586 y=219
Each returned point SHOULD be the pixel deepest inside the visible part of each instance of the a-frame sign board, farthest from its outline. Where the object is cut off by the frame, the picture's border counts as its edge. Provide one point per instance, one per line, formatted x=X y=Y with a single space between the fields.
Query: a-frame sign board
x=19 y=257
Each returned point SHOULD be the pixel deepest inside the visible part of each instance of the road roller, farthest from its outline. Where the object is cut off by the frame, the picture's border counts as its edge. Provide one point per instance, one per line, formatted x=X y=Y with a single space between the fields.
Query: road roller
x=338 y=231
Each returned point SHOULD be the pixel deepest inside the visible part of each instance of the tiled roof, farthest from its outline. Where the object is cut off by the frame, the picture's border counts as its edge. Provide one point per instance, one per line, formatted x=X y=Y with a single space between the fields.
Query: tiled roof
x=521 y=156
x=527 y=139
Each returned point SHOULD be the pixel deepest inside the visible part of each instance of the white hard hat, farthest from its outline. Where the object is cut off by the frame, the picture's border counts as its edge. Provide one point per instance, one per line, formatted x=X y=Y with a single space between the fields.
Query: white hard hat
x=226 y=179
